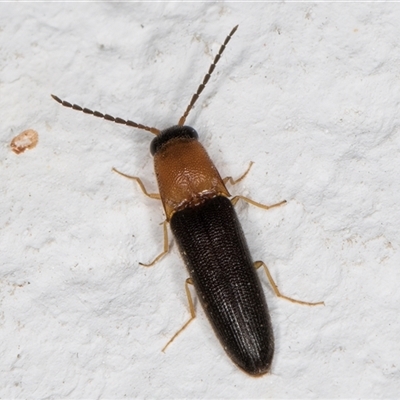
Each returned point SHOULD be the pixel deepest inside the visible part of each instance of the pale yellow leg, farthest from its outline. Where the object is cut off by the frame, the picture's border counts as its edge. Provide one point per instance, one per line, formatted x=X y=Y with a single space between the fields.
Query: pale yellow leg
x=192 y=313
x=152 y=196
x=139 y=181
x=233 y=181
x=235 y=199
x=259 y=264
x=166 y=247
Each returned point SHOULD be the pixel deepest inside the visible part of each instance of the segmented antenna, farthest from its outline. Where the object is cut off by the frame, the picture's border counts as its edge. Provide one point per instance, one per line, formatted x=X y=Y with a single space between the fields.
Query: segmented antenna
x=206 y=77
x=107 y=117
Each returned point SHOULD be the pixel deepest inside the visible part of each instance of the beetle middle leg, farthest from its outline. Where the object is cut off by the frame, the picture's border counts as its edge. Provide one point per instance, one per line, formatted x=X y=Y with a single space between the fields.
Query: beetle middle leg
x=166 y=247
x=274 y=286
x=235 y=199
x=152 y=196
x=192 y=312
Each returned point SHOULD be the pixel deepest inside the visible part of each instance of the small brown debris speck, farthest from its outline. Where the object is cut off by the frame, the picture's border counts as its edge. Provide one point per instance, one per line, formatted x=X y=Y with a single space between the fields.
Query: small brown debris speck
x=25 y=140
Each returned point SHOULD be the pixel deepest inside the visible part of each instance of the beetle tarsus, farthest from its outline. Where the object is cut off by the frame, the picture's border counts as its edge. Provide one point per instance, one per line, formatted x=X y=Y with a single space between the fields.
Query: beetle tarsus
x=235 y=199
x=277 y=292
x=192 y=313
x=235 y=181
x=166 y=247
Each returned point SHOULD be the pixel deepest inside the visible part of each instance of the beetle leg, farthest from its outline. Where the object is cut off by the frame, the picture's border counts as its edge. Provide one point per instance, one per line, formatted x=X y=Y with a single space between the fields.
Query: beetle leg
x=152 y=196
x=139 y=181
x=233 y=181
x=166 y=247
x=235 y=199
x=192 y=313
x=259 y=264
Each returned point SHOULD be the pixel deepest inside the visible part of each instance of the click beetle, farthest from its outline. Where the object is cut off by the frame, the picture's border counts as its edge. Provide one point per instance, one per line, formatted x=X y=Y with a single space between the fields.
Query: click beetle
x=201 y=215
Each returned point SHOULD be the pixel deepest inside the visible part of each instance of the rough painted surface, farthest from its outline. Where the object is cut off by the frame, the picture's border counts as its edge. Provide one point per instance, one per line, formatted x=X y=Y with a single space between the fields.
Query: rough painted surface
x=309 y=92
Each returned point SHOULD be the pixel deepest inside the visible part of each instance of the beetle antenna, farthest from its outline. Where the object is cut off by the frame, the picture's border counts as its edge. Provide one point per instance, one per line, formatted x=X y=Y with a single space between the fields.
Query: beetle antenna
x=107 y=117
x=206 y=77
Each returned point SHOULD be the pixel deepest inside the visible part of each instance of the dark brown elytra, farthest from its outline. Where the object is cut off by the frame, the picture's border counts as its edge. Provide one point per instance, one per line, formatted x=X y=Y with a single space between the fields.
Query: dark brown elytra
x=200 y=211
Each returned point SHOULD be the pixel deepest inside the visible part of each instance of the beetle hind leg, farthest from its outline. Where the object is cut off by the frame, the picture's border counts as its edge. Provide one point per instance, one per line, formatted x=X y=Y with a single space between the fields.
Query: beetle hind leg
x=274 y=286
x=192 y=313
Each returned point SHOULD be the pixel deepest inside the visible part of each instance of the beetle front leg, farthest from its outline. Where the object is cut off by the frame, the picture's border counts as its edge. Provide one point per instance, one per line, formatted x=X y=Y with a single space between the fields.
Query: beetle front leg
x=235 y=199
x=235 y=181
x=192 y=312
x=140 y=183
x=274 y=286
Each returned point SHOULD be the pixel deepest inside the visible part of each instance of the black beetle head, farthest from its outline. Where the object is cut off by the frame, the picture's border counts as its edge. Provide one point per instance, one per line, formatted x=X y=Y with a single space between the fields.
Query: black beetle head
x=174 y=132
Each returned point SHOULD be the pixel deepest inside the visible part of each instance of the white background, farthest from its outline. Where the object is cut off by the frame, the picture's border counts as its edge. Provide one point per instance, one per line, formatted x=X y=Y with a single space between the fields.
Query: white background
x=309 y=92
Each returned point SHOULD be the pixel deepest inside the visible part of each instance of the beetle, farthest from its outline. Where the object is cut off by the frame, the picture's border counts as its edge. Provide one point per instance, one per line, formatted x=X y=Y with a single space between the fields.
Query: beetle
x=201 y=214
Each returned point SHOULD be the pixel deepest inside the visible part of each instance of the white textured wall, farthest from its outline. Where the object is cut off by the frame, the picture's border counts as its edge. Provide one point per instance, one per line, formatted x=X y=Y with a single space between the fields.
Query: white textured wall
x=309 y=92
